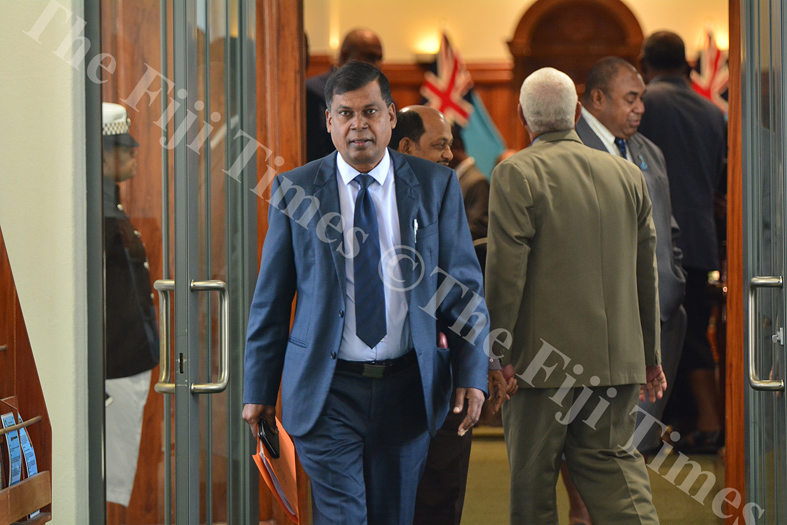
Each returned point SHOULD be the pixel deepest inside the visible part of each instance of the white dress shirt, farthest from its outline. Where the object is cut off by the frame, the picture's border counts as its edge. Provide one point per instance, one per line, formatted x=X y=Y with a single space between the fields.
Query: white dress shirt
x=397 y=341
x=604 y=134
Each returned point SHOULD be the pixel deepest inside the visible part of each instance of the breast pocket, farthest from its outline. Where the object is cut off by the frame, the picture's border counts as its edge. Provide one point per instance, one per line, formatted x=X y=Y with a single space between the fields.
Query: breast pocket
x=426 y=240
x=426 y=232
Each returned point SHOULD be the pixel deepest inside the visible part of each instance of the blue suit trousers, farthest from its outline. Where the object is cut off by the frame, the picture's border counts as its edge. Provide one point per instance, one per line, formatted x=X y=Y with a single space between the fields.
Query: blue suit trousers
x=367 y=450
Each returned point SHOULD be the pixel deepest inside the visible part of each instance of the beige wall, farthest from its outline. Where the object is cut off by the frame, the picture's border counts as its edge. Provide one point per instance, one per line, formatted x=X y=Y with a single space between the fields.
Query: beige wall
x=480 y=28
x=42 y=202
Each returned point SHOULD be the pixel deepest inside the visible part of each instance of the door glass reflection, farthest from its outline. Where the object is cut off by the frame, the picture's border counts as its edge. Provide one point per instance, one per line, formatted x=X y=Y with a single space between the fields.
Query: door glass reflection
x=135 y=237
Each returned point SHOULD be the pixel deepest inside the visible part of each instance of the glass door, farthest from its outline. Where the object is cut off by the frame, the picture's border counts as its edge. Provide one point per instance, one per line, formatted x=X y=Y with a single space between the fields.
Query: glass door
x=184 y=73
x=764 y=133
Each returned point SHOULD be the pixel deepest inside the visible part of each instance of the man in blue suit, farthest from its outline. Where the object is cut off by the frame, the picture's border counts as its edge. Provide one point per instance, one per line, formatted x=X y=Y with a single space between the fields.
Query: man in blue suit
x=377 y=247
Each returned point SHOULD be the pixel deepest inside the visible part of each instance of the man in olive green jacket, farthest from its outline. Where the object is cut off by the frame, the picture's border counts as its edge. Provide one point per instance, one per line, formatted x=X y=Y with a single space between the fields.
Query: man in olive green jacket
x=571 y=276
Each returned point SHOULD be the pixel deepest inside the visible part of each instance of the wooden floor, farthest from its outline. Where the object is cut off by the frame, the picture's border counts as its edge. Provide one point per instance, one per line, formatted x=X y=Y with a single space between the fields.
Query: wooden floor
x=487 y=497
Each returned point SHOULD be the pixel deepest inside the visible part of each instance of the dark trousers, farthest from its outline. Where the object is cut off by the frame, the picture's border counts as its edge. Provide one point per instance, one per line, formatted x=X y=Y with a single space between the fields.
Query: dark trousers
x=367 y=450
x=681 y=409
x=441 y=492
x=672 y=334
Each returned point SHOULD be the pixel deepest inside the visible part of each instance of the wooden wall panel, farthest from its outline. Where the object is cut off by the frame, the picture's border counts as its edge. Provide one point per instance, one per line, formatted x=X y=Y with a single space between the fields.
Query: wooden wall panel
x=280 y=92
x=18 y=374
x=735 y=475
x=281 y=120
x=7 y=325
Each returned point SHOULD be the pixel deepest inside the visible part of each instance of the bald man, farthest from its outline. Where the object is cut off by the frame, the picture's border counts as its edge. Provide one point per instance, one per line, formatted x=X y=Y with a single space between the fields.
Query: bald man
x=362 y=45
x=424 y=132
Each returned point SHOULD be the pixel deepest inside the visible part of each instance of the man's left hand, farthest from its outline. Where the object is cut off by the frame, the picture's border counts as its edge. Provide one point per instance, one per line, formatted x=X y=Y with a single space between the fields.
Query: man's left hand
x=475 y=400
x=655 y=385
x=510 y=376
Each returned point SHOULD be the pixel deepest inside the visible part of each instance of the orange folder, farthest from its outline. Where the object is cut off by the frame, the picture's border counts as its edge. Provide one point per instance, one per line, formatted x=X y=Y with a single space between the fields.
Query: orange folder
x=279 y=474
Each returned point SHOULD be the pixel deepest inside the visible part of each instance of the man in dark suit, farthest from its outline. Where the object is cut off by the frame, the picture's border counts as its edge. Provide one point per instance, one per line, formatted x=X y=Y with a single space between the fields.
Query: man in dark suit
x=612 y=108
x=362 y=45
x=423 y=132
x=475 y=187
x=692 y=133
x=363 y=382
x=611 y=113
x=132 y=341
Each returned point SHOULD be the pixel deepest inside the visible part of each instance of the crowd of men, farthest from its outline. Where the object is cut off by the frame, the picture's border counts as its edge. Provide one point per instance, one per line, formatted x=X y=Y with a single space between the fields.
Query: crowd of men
x=554 y=289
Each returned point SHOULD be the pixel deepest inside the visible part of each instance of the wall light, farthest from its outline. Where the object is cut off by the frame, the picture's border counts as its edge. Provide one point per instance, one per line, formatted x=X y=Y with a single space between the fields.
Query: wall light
x=722 y=40
x=426 y=48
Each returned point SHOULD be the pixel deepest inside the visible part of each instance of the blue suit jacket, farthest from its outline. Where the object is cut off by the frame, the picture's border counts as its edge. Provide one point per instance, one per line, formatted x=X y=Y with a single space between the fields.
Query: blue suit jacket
x=301 y=255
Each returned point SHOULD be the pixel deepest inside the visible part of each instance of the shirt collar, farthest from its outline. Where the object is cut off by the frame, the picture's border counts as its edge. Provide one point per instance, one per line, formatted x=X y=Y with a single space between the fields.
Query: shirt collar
x=378 y=173
x=601 y=130
x=463 y=166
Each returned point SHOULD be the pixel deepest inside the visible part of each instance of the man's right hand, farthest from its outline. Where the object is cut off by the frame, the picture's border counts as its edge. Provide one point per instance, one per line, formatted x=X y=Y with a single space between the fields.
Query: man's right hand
x=253 y=413
x=655 y=385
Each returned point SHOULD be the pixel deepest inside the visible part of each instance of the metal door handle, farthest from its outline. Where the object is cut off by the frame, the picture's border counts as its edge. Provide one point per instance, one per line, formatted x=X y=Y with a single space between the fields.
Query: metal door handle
x=163 y=287
x=224 y=337
x=755 y=382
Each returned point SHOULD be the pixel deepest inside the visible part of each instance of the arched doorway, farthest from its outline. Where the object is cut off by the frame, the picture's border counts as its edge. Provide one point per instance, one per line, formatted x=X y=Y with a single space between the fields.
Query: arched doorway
x=571 y=35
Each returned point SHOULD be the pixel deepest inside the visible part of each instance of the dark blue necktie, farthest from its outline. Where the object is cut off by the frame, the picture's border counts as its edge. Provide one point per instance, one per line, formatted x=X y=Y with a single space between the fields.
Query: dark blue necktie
x=369 y=296
x=621 y=144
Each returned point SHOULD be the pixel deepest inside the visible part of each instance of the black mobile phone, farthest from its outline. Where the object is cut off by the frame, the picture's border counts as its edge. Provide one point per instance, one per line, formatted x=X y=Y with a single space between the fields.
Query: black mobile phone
x=269 y=440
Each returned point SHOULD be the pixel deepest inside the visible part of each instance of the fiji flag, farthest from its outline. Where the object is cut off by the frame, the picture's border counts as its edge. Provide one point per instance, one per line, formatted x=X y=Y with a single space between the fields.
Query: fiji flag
x=450 y=90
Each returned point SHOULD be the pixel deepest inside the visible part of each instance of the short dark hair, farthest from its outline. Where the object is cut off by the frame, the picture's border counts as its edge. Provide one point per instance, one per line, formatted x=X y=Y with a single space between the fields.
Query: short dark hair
x=664 y=50
x=355 y=75
x=408 y=124
x=603 y=73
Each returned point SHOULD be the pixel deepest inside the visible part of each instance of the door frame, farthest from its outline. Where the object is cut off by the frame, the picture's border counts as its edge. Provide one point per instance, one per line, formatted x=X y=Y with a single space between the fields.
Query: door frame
x=94 y=281
x=735 y=470
x=242 y=475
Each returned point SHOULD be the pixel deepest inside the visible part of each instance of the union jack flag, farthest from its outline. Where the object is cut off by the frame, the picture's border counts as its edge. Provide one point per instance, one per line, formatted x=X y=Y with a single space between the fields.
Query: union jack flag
x=712 y=79
x=446 y=91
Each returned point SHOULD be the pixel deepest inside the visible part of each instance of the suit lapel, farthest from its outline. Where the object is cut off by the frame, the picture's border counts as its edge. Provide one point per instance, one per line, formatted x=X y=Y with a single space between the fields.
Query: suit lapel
x=327 y=192
x=589 y=136
x=637 y=155
x=633 y=146
x=407 y=199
